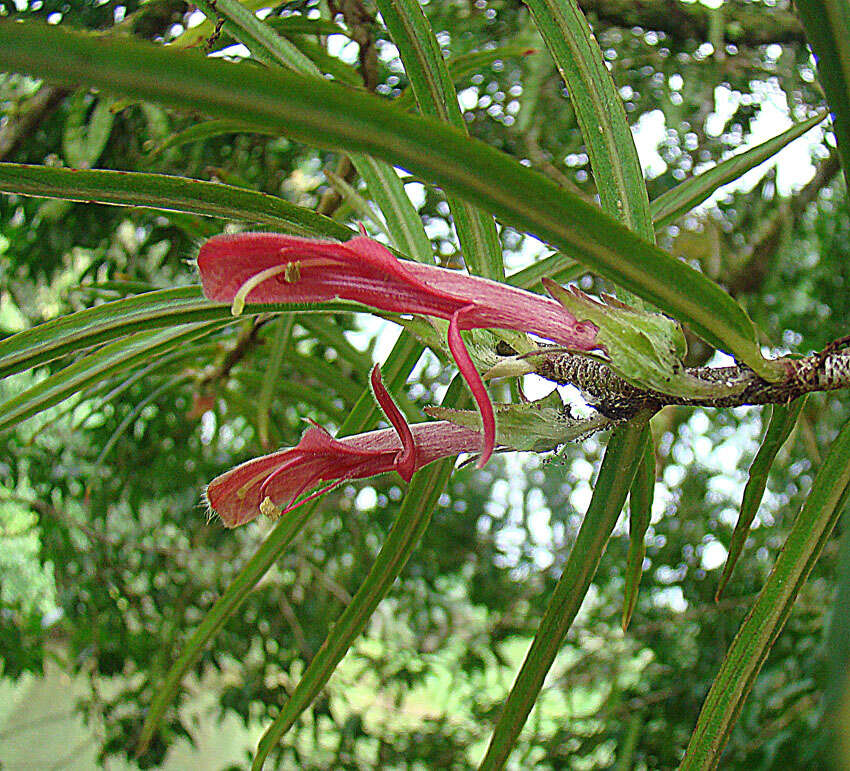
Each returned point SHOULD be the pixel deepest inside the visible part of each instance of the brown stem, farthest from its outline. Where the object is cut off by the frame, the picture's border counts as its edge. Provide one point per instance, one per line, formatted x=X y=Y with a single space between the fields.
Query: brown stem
x=737 y=385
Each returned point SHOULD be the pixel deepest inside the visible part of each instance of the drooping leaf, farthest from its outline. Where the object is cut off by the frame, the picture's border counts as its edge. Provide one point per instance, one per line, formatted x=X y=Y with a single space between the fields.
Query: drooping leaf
x=641 y=496
x=95 y=367
x=827 y=25
x=694 y=190
x=763 y=624
x=160 y=191
x=600 y=112
x=782 y=421
x=622 y=458
x=102 y=323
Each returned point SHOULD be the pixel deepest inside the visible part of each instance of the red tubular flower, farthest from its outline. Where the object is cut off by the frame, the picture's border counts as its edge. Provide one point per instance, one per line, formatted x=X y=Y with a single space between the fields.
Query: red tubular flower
x=272 y=484
x=275 y=268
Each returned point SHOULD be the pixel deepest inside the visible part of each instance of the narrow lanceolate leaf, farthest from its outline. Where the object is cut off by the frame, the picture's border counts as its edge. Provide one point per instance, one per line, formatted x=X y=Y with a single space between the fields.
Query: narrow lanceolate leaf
x=837 y=653
x=160 y=191
x=599 y=110
x=94 y=368
x=363 y=415
x=827 y=25
x=693 y=191
x=462 y=65
x=425 y=488
x=436 y=96
x=740 y=667
x=102 y=323
x=327 y=115
x=202 y=131
x=403 y=223
x=622 y=458
x=641 y=495
x=782 y=421
x=556 y=266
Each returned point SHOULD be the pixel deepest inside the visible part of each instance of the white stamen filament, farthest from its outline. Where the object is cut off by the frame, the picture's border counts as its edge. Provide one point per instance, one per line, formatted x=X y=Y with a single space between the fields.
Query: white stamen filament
x=239 y=298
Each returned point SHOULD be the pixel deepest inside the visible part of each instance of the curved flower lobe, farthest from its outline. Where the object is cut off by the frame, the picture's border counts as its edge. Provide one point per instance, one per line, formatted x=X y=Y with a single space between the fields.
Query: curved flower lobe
x=273 y=483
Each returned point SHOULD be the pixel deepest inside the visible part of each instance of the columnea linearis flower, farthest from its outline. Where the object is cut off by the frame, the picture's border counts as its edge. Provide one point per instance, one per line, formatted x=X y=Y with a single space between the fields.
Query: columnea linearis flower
x=272 y=484
x=276 y=268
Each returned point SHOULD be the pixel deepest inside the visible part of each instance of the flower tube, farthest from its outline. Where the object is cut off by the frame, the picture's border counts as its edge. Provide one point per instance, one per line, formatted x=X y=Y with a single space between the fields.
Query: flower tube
x=273 y=483
x=276 y=268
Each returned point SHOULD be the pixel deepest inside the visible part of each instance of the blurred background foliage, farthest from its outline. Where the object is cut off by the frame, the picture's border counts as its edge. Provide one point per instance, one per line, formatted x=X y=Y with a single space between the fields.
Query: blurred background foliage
x=107 y=559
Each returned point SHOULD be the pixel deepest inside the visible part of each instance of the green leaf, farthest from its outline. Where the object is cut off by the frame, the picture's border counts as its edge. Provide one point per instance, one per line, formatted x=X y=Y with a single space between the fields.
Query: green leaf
x=641 y=495
x=327 y=115
x=782 y=421
x=424 y=490
x=827 y=25
x=398 y=365
x=403 y=223
x=436 y=96
x=530 y=427
x=556 y=266
x=261 y=40
x=833 y=709
x=692 y=192
x=85 y=137
x=152 y=310
x=202 y=131
x=763 y=624
x=622 y=458
x=600 y=112
x=160 y=191
x=95 y=367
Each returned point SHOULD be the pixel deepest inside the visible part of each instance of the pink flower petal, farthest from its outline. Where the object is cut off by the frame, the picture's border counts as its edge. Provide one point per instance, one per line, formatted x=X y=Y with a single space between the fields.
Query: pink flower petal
x=476 y=385
x=405 y=462
x=236 y=268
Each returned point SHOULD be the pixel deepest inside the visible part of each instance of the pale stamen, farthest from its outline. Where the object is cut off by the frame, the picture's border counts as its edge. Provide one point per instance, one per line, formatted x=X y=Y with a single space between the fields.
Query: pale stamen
x=243 y=491
x=242 y=294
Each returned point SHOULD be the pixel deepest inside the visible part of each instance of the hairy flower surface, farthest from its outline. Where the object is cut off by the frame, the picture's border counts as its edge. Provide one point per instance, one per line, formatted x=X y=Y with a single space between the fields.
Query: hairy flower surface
x=276 y=268
x=273 y=483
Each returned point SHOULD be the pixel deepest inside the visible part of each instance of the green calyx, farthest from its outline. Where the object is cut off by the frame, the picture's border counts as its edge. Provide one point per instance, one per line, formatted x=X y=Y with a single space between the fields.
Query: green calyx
x=642 y=347
x=533 y=426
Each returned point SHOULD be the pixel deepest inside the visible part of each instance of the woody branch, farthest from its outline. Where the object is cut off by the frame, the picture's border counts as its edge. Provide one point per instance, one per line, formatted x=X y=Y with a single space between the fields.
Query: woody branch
x=737 y=385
